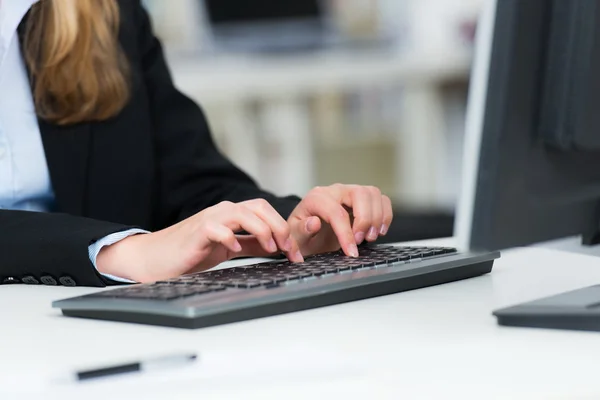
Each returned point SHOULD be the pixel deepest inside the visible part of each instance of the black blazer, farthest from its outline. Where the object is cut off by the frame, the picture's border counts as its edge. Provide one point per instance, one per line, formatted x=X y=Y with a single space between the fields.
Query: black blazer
x=150 y=167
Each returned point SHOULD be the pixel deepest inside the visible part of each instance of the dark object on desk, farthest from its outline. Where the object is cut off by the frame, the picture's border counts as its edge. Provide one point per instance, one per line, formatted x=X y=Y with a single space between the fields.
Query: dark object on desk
x=248 y=292
x=533 y=132
x=137 y=366
x=576 y=310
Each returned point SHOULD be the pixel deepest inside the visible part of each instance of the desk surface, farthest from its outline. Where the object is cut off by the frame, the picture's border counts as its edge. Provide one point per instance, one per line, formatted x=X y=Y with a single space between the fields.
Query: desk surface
x=434 y=342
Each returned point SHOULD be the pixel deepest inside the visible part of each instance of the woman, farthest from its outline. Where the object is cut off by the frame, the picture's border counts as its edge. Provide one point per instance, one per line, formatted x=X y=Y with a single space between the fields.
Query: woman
x=108 y=173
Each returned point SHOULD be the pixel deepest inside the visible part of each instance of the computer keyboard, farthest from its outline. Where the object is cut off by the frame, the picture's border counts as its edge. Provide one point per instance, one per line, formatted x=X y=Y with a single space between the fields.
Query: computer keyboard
x=273 y=274
x=270 y=288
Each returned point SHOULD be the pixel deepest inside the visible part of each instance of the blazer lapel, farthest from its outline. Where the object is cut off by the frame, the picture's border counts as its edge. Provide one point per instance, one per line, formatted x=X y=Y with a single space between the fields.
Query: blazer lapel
x=67 y=151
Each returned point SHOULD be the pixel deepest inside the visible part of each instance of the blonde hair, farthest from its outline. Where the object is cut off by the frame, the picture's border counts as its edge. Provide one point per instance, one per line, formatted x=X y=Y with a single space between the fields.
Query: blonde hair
x=78 y=70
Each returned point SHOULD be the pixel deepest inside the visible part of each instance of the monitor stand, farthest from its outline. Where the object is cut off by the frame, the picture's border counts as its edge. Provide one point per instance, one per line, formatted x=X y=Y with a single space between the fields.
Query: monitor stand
x=575 y=244
x=593 y=238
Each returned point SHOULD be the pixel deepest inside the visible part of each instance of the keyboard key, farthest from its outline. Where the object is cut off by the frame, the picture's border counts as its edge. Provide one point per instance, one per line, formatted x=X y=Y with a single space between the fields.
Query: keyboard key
x=368 y=263
x=267 y=265
x=248 y=285
x=379 y=261
x=182 y=278
x=302 y=264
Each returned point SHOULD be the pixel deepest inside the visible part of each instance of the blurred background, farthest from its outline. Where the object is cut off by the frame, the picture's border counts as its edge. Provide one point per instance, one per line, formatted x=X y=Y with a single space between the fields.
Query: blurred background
x=302 y=93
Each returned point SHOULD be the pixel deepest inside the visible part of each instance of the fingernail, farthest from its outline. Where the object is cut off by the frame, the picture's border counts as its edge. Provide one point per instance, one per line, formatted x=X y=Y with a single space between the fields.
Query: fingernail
x=287 y=246
x=310 y=225
x=299 y=256
x=372 y=235
x=272 y=246
x=237 y=247
x=353 y=250
x=359 y=237
x=383 y=230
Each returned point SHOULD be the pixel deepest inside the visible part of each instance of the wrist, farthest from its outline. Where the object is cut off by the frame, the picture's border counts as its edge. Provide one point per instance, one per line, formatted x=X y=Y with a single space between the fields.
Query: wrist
x=124 y=259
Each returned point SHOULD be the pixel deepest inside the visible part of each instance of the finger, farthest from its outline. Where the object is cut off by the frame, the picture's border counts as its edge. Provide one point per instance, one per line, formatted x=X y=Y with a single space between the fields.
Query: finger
x=304 y=230
x=376 y=214
x=279 y=227
x=224 y=236
x=388 y=214
x=332 y=212
x=242 y=218
x=360 y=202
x=252 y=247
x=312 y=226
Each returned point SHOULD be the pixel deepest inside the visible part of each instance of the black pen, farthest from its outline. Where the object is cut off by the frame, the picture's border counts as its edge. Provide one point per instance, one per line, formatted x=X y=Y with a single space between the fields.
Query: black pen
x=139 y=366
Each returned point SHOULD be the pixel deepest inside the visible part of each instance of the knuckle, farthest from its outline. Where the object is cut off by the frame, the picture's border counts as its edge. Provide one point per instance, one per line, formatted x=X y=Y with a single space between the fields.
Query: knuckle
x=263 y=205
x=319 y=190
x=226 y=205
x=362 y=190
x=374 y=190
x=226 y=236
x=242 y=209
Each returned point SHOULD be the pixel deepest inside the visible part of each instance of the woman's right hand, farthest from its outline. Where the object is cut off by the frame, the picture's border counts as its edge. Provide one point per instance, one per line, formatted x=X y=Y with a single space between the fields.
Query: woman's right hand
x=201 y=242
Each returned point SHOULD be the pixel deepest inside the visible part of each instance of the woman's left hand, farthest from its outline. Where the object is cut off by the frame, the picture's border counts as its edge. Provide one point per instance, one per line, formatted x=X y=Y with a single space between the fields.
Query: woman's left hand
x=340 y=216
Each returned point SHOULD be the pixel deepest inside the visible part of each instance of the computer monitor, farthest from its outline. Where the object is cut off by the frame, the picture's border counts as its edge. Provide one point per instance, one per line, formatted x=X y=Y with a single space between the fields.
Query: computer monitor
x=532 y=146
x=266 y=25
x=260 y=11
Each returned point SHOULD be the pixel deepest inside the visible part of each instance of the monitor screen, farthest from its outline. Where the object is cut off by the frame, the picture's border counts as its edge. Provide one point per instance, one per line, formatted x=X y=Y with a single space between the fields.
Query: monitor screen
x=532 y=153
x=236 y=11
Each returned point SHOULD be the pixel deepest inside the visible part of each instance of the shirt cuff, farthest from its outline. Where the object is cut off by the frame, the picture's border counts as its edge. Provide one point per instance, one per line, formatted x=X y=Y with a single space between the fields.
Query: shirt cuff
x=95 y=248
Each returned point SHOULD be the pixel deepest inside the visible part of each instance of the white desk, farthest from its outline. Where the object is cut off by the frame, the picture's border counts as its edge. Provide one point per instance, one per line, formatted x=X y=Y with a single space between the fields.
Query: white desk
x=439 y=342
